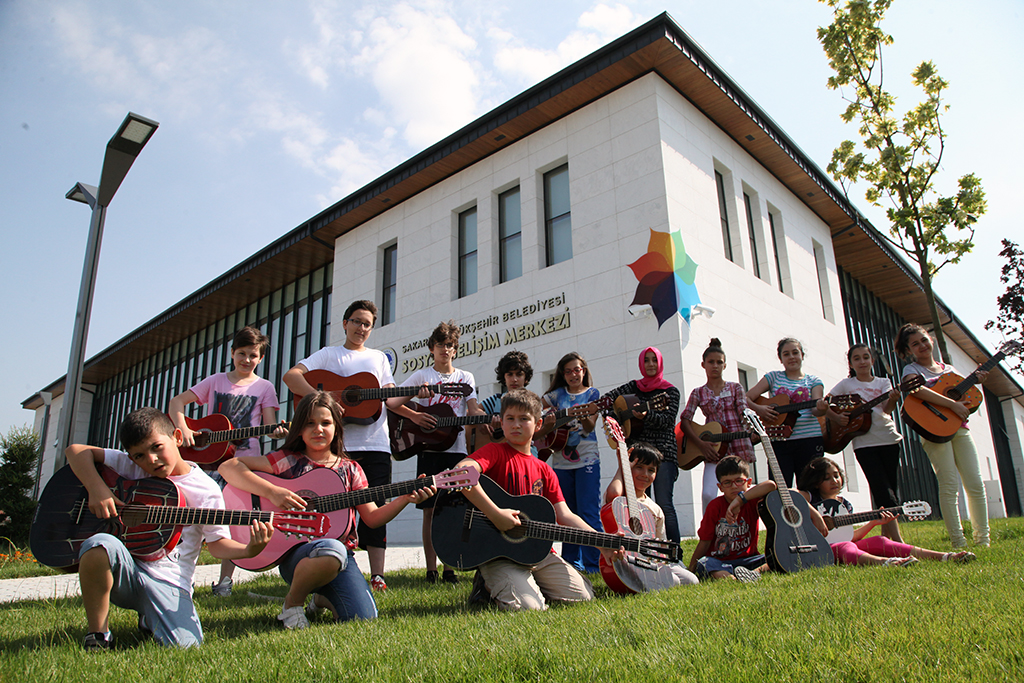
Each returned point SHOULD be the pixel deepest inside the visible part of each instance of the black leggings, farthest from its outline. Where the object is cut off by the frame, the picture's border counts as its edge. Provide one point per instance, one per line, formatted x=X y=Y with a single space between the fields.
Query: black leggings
x=794 y=454
x=881 y=465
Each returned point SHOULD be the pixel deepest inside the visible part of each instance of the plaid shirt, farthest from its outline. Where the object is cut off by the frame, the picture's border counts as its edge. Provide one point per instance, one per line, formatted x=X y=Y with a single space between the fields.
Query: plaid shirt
x=725 y=409
x=291 y=465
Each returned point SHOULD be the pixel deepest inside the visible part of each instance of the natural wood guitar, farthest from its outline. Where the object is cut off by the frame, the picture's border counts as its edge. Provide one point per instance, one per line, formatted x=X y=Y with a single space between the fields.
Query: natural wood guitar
x=836 y=436
x=323 y=491
x=690 y=454
x=938 y=423
x=149 y=524
x=792 y=542
x=213 y=438
x=361 y=395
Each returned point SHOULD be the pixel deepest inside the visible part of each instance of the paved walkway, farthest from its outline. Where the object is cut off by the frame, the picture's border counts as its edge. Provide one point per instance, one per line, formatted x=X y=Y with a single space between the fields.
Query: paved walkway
x=66 y=585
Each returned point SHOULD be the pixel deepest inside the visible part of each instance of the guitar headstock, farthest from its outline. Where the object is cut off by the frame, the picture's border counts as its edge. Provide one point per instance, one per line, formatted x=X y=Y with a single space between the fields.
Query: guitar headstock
x=916 y=510
x=911 y=384
x=665 y=551
x=779 y=432
x=454 y=389
x=584 y=410
x=302 y=523
x=1010 y=348
x=659 y=402
x=458 y=478
x=613 y=431
x=753 y=423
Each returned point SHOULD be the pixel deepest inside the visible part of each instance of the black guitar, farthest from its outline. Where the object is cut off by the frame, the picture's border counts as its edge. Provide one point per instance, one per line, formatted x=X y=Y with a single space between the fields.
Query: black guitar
x=464 y=538
x=792 y=542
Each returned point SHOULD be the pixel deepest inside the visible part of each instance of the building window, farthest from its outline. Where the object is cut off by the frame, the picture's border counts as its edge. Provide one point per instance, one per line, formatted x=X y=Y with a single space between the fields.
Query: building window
x=510 y=236
x=557 y=218
x=775 y=248
x=390 y=287
x=724 y=214
x=823 y=289
x=753 y=234
x=467 y=252
x=744 y=381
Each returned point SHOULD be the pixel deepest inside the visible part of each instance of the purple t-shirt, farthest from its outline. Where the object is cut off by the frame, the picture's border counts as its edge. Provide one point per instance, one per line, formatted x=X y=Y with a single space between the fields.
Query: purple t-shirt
x=242 y=404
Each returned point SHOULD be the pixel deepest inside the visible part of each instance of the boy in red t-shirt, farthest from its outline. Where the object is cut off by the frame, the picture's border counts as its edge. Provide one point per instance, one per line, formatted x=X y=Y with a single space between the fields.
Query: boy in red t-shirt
x=728 y=532
x=514 y=586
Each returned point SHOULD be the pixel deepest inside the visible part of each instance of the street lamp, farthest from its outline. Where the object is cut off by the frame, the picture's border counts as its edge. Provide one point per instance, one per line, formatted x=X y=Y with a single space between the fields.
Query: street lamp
x=122 y=149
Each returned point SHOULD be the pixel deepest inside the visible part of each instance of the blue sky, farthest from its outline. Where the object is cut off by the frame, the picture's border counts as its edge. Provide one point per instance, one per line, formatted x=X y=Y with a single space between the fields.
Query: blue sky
x=272 y=111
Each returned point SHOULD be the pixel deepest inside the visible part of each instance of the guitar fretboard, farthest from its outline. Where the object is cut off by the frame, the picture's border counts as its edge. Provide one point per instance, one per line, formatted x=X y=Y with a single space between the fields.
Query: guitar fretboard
x=454 y=421
x=957 y=392
x=866 y=516
x=206 y=438
x=348 y=499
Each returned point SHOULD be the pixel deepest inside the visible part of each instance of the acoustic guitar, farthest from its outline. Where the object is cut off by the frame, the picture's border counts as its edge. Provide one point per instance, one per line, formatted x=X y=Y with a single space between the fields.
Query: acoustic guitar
x=626 y=404
x=938 y=423
x=409 y=439
x=635 y=573
x=323 y=491
x=789 y=412
x=361 y=395
x=149 y=524
x=623 y=406
x=464 y=538
x=690 y=454
x=836 y=436
x=213 y=437
x=792 y=542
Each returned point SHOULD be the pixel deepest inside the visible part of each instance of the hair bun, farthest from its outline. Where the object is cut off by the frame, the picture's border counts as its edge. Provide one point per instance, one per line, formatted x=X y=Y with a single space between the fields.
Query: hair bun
x=715 y=341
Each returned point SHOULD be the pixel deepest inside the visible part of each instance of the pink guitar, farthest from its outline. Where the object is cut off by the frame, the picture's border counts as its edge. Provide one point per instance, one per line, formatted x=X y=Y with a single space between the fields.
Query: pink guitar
x=322 y=489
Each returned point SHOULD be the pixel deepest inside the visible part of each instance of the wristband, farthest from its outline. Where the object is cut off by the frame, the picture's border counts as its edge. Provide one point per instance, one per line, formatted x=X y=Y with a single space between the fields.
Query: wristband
x=742 y=496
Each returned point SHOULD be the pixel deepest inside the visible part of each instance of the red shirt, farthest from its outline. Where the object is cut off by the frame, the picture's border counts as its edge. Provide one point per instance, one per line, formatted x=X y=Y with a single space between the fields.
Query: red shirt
x=517 y=473
x=729 y=541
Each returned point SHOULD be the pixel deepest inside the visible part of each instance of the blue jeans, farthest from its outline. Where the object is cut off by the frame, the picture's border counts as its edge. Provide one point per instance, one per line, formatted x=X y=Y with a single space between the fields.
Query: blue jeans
x=664 y=485
x=348 y=592
x=707 y=564
x=582 y=490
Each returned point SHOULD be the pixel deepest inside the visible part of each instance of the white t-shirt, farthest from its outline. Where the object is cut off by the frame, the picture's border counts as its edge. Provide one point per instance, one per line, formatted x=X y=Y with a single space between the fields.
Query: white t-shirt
x=883 y=430
x=345 y=362
x=199 y=491
x=458 y=404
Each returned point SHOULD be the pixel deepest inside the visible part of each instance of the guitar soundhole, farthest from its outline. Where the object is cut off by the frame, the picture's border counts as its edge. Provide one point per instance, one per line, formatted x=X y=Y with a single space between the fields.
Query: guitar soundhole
x=517 y=534
x=792 y=516
x=635 y=526
x=350 y=396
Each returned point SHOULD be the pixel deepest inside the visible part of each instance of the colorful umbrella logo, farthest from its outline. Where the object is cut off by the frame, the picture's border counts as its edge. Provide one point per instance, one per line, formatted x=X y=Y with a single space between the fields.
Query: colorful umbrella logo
x=665 y=277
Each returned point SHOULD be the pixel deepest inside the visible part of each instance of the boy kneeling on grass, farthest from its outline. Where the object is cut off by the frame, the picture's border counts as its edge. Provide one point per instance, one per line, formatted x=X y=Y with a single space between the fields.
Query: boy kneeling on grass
x=514 y=586
x=728 y=531
x=159 y=590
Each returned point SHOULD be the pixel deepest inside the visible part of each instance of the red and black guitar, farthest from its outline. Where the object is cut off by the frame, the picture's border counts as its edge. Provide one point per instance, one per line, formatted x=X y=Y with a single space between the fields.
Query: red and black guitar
x=788 y=412
x=149 y=524
x=838 y=437
x=635 y=573
x=213 y=438
x=940 y=424
x=464 y=538
x=409 y=439
x=323 y=492
x=361 y=396
x=792 y=541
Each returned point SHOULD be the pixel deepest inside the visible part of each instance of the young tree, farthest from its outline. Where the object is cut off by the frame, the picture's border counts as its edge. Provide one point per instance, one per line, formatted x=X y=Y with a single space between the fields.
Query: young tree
x=1010 y=320
x=19 y=449
x=899 y=157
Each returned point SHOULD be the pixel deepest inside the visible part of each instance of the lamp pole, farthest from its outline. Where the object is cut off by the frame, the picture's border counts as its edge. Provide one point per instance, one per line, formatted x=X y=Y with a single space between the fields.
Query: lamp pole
x=122 y=149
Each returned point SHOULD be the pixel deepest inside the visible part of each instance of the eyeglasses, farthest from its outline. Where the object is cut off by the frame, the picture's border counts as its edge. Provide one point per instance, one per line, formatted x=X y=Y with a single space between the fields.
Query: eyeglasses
x=573 y=371
x=360 y=323
x=450 y=345
x=728 y=483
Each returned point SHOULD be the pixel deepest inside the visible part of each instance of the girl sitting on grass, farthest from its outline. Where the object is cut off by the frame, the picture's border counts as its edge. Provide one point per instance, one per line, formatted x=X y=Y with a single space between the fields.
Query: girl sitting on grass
x=325 y=567
x=820 y=483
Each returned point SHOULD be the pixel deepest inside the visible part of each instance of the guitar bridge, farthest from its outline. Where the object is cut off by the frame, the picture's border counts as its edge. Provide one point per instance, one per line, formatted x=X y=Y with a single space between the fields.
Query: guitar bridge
x=803 y=548
x=641 y=562
x=467 y=525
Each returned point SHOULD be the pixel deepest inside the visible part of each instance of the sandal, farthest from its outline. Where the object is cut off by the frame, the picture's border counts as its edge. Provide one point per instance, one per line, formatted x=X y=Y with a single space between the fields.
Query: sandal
x=900 y=561
x=962 y=557
x=431 y=576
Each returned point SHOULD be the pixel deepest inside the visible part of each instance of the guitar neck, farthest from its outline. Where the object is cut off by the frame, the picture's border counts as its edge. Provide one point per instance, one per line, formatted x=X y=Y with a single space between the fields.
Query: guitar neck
x=866 y=516
x=166 y=515
x=881 y=398
x=204 y=438
x=793 y=407
x=349 y=499
x=467 y=420
x=555 y=532
x=961 y=388
x=725 y=436
x=378 y=394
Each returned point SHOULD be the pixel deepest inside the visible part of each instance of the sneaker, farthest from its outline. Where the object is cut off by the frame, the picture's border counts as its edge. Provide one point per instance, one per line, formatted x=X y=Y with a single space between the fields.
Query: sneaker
x=448 y=576
x=98 y=641
x=222 y=589
x=293 y=618
x=377 y=583
x=962 y=557
x=431 y=576
x=899 y=562
x=744 y=575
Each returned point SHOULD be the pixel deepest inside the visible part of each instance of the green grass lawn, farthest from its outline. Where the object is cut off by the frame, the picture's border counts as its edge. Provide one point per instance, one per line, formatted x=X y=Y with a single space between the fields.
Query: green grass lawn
x=929 y=622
